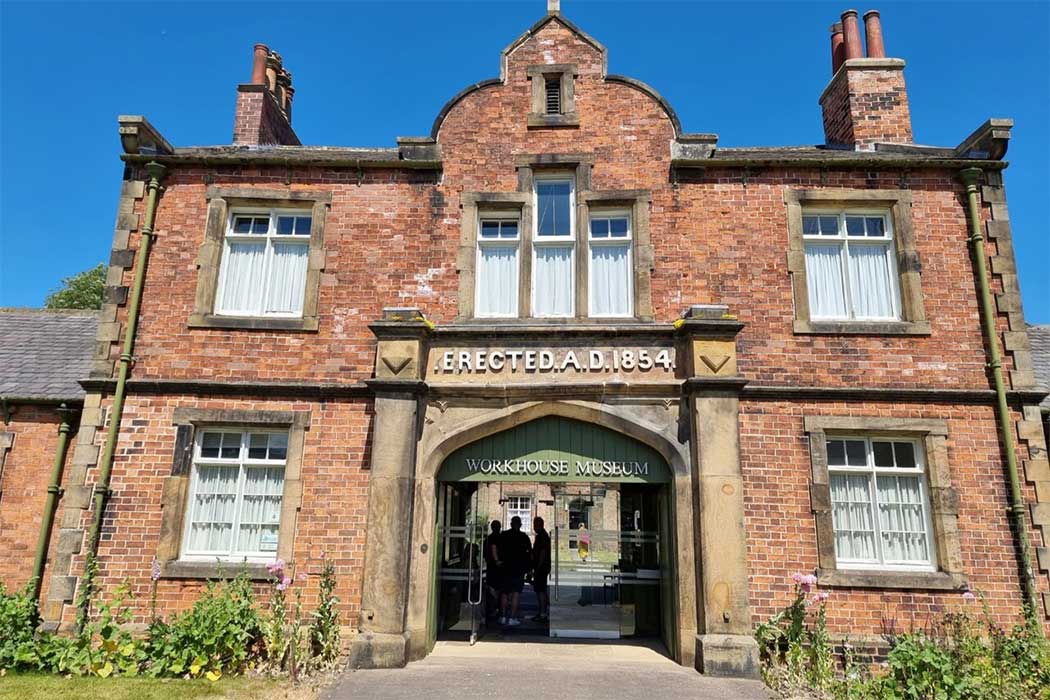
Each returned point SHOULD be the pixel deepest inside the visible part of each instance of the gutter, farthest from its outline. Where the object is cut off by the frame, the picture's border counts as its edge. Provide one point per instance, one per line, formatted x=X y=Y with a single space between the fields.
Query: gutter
x=54 y=492
x=970 y=177
x=101 y=491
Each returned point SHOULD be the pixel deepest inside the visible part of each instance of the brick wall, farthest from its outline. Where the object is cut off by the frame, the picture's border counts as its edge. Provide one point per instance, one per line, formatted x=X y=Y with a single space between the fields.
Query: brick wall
x=331 y=519
x=865 y=105
x=775 y=458
x=259 y=119
x=23 y=489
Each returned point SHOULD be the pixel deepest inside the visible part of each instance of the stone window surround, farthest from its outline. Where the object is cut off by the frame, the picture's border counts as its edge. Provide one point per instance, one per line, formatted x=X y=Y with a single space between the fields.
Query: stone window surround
x=221 y=200
x=913 y=313
x=6 y=441
x=944 y=503
x=475 y=204
x=565 y=73
x=175 y=492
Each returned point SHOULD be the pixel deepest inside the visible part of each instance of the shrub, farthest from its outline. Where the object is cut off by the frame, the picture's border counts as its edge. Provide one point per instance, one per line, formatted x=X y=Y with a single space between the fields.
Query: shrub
x=219 y=634
x=958 y=656
x=18 y=620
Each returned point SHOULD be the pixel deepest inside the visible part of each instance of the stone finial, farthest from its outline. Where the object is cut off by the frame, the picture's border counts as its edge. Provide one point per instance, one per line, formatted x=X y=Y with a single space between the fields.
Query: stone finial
x=553 y=7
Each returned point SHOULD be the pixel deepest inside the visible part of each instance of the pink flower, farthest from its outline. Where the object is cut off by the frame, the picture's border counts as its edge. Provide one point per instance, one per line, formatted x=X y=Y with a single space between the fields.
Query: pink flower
x=821 y=597
x=155 y=570
x=804 y=581
x=285 y=582
x=276 y=568
x=969 y=597
x=301 y=577
x=797 y=577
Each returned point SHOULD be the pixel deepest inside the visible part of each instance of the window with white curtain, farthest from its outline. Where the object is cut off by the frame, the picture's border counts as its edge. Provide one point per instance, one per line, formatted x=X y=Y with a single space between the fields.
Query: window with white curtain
x=879 y=503
x=498 y=267
x=851 y=267
x=263 y=269
x=234 y=509
x=610 y=270
x=520 y=506
x=554 y=247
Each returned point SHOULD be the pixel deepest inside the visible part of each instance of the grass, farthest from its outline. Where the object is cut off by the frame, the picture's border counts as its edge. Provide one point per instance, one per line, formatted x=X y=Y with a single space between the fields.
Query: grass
x=41 y=687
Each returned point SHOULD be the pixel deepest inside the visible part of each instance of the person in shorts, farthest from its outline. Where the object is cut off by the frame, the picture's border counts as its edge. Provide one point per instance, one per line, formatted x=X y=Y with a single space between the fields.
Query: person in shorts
x=515 y=560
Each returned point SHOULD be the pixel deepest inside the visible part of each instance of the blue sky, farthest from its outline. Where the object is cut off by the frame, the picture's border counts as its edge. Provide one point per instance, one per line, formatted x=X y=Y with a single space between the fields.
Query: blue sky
x=365 y=73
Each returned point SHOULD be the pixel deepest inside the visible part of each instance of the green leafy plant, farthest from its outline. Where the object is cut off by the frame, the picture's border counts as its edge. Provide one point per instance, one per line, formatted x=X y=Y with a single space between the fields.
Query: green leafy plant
x=219 y=634
x=81 y=291
x=19 y=618
x=324 y=631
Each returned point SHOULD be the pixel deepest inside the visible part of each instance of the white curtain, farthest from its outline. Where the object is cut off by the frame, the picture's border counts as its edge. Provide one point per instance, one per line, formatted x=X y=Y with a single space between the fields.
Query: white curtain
x=871 y=286
x=610 y=281
x=901 y=519
x=852 y=517
x=553 y=281
x=260 y=509
x=287 y=278
x=498 y=281
x=242 y=287
x=824 y=275
x=214 y=507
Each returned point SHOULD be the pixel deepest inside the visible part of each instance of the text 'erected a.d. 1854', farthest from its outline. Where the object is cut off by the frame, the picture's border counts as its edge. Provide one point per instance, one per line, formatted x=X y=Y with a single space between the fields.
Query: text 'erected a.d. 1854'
x=560 y=361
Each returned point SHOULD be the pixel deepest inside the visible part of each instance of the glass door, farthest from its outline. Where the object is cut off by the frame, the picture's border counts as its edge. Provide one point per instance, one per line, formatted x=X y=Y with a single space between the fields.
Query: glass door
x=460 y=561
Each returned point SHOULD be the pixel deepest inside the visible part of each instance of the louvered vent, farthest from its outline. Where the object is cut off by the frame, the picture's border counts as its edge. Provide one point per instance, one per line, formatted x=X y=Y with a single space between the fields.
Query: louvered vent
x=553 y=86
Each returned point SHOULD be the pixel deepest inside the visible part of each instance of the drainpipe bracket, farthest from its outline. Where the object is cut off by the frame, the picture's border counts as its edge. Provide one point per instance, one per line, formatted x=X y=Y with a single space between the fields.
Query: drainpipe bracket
x=57 y=490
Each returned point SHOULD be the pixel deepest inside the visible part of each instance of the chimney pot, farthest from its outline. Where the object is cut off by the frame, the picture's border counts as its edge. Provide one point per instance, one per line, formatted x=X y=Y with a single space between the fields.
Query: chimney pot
x=259 y=64
x=851 y=31
x=873 y=30
x=553 y=7
x=838 y=48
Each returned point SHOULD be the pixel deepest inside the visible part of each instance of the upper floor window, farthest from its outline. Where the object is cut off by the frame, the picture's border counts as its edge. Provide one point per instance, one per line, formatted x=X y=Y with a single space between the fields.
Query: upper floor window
x=610 y=272
x=235 y=495
x=554 y=248
x=851 y=266
x=498 y=264
x=879 y=502
x=264 y=264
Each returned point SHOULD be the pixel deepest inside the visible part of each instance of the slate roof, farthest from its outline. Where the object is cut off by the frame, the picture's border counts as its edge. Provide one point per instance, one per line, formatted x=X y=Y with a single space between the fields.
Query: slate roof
x=44 y=353
x=1039 y=337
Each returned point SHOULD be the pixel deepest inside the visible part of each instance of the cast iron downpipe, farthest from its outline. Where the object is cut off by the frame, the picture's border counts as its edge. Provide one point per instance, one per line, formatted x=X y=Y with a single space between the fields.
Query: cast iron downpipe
x=54 y=490
x=970 y=177
x=105 y=467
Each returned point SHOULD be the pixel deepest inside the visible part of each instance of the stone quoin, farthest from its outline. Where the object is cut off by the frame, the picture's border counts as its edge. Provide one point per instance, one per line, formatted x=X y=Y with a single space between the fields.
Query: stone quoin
x=769 y=359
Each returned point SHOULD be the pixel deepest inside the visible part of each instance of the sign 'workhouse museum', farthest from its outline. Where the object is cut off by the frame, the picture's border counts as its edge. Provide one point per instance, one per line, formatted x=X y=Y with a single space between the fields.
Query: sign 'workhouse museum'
x=745 y=361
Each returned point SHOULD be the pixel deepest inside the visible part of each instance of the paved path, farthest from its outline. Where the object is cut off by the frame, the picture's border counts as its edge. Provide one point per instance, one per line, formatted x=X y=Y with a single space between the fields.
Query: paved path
x=538 y=670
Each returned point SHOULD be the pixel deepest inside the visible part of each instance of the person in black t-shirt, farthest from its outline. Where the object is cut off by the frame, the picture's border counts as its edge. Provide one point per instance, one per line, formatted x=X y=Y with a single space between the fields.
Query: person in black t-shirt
x=515 y=560
x=541 y=568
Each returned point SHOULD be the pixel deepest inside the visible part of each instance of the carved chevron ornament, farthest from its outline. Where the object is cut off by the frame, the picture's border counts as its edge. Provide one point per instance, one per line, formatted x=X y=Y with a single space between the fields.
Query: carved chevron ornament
x=716 y=362
x=396 y=364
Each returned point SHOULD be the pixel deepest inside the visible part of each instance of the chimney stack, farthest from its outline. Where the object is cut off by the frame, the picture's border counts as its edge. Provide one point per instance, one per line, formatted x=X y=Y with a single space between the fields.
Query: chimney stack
x=264 y=105
x=866 y=101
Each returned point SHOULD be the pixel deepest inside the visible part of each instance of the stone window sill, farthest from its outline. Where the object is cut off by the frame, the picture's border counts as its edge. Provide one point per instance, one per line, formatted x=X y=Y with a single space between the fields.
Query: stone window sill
x=548 y=120
x=213 y=570
x=862 y=328
x=927 y=580
x=308 y=323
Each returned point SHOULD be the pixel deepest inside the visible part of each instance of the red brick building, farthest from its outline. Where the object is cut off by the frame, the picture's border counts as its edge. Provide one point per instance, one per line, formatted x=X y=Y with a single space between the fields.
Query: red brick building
x=773 y=356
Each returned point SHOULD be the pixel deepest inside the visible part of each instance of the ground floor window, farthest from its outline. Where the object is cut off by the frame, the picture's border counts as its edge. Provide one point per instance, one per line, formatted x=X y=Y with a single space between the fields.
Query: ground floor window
x=235 y=495
x=520 y=506
x=880 y=507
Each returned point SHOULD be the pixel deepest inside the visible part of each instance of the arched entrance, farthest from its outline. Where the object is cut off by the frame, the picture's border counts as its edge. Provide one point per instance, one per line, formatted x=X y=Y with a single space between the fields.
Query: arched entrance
x=607 y=501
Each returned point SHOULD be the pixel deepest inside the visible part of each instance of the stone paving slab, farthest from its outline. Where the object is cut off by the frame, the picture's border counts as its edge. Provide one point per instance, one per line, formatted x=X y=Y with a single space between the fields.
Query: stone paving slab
x=516 y=671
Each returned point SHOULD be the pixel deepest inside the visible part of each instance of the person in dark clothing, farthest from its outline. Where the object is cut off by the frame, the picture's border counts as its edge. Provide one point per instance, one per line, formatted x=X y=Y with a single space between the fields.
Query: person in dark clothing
x=541 y=568
x=515 y=560
x=493 y=584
